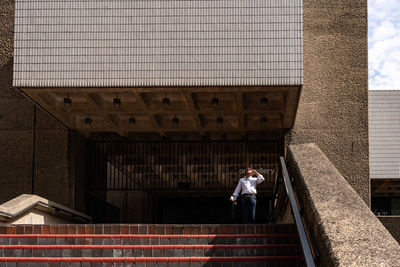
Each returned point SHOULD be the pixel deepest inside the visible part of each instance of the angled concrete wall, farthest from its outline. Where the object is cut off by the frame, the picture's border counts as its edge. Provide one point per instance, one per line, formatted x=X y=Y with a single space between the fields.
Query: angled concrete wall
x=344 y=228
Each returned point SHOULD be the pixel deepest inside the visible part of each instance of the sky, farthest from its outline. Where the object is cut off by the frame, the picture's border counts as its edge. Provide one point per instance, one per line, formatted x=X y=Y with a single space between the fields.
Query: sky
x=384 y=44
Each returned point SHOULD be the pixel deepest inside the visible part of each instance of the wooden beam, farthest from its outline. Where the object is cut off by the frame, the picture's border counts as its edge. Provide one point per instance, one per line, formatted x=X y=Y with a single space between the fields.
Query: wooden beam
x=191 y=107
x=284 y=112
x=149 y=113
x=172 y=112
x=182 y=129
x=291 y=103
x=99 y=110
x=240 y=108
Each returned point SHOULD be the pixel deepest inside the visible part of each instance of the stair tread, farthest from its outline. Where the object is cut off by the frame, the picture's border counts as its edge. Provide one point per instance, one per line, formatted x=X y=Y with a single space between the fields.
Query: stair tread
x=152 y=244
x=151 y=259
x=147 y=246
x=144 y=236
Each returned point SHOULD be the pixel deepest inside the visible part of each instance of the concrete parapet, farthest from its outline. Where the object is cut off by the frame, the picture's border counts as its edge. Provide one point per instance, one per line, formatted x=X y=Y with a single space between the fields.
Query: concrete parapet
x=344 y=229
x=32 y=209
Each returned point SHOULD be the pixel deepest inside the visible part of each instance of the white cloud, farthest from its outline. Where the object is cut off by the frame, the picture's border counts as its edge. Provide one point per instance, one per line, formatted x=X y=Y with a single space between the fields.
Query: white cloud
x=384 y=44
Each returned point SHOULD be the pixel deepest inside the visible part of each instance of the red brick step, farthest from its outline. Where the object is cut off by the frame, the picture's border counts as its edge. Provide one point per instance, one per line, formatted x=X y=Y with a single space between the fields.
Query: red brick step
x=151 y=259
x=150 y=245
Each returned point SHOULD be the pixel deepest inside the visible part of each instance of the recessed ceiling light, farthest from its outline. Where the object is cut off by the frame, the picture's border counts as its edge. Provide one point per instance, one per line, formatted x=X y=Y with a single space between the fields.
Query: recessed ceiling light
x=175 y=120
x=264 y=101
x=132 y=120
x=88 y=120
x=117 y=102
x=67 y=101
x=165 y=101
x=263 y=120
x=215 y=101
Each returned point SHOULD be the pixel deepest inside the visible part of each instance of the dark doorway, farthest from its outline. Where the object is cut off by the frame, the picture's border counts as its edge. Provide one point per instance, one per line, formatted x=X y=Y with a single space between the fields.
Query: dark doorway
x=214 y=210
x=172 y=178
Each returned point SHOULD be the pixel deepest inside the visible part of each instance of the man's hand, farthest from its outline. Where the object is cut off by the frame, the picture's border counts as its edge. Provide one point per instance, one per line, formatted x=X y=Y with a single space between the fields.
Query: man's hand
x=255 y=172
x=233 y=200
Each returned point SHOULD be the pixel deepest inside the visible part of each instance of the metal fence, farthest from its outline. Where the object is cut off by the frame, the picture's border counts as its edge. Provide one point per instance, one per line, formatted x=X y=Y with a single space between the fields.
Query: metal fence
x=180 y=165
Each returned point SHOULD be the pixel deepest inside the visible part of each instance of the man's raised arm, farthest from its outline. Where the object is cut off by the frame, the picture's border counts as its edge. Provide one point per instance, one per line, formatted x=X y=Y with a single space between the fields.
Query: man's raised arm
x=260 y=178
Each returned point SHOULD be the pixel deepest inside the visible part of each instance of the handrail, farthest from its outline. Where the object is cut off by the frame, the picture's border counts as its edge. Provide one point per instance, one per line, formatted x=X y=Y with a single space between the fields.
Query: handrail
x=274 y=197
x=297 y=218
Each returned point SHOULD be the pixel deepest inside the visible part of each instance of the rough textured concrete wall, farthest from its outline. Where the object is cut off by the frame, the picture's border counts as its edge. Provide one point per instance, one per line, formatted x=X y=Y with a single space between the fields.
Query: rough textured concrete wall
x=333 y=109
x=16 y=118
x=344 y=228
x=52 y=178
x=16 y=134
x=392 y=223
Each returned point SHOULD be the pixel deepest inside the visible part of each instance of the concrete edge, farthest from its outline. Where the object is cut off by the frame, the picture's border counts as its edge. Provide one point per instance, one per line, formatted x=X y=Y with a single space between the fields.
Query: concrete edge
x=343 y=227
x=25 y=202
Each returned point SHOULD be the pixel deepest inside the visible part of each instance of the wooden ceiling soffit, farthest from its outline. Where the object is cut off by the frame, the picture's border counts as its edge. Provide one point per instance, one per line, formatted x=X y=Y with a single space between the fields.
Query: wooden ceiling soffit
x=187 y=109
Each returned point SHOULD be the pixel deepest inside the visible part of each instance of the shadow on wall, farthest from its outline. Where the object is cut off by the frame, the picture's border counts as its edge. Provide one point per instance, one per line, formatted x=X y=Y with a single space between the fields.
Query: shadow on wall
x=6 y=77
x=16 y=122
x=16 y=147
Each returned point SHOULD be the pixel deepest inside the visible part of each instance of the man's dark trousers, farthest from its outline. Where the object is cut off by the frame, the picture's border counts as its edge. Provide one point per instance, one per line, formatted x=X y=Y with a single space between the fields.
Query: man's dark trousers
x=249 y=208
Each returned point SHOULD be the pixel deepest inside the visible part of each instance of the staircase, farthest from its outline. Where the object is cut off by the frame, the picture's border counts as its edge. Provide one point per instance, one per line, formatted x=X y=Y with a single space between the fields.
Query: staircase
x=150 y=245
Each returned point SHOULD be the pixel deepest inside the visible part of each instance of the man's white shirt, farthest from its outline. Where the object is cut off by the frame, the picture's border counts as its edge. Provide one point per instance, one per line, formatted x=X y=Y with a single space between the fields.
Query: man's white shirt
x=247 y=186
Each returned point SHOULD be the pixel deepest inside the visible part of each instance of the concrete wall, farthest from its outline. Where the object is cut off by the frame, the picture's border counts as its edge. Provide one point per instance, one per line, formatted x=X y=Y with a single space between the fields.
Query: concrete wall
x=16 y=118
x=39 y=217
x=333 y=109
x=16 y=134
x=342 y=226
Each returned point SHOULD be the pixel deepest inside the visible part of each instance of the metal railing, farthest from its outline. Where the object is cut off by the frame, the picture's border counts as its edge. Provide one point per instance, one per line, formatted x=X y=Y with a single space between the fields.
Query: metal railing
x=180 y=165
x=305 y=244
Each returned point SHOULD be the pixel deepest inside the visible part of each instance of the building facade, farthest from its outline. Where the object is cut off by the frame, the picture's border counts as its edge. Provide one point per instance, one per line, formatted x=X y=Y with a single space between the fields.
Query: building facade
x=224 y=72
x=384 y=122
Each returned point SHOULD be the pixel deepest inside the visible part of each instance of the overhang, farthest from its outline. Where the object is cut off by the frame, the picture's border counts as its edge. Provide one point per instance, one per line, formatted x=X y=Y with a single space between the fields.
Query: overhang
x=242 y=109
x=140 y=52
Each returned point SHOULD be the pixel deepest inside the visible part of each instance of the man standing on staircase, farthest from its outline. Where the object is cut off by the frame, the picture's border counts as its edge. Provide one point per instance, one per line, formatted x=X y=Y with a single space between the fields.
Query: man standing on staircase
x=247 y=187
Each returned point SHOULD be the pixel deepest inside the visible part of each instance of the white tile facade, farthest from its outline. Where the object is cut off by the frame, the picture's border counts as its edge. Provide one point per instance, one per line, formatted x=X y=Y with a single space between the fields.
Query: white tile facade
x=384 y=133
x=72 y=43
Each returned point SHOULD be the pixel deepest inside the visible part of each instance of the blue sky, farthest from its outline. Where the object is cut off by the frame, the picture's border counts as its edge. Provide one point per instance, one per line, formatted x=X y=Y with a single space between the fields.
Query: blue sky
x=384 y=44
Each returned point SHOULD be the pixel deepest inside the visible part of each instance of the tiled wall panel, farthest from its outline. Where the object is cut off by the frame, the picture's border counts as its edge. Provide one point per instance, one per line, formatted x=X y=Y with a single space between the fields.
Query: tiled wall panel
x=63 y=43
x=384 y=133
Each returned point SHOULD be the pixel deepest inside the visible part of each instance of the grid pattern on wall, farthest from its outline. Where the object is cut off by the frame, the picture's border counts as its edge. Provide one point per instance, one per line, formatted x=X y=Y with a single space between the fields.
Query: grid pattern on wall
x=181 y=165
x=384 y=133
x=84 y=43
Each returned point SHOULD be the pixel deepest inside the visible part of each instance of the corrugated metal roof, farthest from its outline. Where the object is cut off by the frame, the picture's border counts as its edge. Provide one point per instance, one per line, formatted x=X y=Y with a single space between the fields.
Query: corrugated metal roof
x=68 y=43
x=384 y=133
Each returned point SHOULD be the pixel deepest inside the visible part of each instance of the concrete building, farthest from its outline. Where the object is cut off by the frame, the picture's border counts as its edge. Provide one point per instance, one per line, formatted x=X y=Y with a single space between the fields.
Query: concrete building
x=384 y=121
x=306 y=51
x=149 y=111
